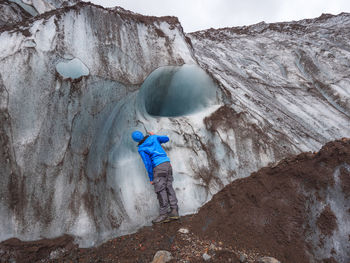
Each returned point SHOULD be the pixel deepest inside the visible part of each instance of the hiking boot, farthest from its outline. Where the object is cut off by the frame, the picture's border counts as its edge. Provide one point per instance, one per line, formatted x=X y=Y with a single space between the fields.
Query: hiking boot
x=174 y=214
x=161 y=219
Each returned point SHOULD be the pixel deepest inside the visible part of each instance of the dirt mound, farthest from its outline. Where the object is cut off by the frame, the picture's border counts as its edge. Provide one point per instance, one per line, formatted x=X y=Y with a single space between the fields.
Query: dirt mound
x=271 y=211
x=294 y=211
x=15 y=250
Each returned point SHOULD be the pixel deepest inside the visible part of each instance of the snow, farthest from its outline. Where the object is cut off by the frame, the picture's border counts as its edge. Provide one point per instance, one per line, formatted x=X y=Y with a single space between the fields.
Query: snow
x=73 y=69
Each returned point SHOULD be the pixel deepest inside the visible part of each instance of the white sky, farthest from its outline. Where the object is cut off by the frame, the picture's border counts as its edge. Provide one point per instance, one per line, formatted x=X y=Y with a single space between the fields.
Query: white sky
x=202 y=14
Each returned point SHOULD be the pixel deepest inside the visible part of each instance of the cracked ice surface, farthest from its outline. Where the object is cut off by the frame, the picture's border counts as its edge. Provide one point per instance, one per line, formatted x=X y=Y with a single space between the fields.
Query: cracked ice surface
x=296 y=84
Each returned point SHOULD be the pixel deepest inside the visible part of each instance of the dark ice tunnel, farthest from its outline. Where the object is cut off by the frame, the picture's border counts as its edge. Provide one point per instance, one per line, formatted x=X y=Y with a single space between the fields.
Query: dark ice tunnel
x=177 y=90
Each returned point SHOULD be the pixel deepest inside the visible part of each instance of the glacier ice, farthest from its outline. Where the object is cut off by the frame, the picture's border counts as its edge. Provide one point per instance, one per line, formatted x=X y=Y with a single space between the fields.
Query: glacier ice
x=29 y=43
x=73 y=69
x=175 y=91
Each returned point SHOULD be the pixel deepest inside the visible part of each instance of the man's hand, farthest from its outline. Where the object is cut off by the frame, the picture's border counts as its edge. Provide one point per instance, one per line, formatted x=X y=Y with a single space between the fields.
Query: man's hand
x=152 y=133
x=151 y=182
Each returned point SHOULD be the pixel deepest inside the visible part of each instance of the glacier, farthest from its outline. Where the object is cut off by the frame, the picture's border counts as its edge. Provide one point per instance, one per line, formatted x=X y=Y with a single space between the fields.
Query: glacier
x=231 y=100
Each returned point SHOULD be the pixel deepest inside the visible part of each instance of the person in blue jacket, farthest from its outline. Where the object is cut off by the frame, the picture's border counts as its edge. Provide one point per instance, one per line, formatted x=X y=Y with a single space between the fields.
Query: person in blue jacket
x=160 y=173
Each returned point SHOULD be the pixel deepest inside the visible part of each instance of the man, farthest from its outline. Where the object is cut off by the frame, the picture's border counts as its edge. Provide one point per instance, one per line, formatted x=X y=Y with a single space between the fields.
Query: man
x=160 y=173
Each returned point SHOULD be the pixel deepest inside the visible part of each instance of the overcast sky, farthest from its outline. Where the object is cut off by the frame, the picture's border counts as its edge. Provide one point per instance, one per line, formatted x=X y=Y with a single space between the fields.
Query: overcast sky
x=202 y=14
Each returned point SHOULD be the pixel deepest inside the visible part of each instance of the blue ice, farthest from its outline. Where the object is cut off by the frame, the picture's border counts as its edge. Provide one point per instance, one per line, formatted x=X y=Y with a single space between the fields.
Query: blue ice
x=176 y=91
x=72 y=69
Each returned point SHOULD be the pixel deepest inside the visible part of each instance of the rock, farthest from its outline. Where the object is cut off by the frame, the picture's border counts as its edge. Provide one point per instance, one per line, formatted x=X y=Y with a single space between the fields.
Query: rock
x=206 y=257
x=184 y=230
x=162 y=256
x=267 y=260
x=212 y=247
x=242 y=257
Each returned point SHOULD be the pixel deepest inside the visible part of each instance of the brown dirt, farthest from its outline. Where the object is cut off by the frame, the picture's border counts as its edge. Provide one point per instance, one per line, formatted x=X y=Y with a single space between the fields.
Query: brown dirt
x=15 y=250
x=265 y=214
x=327 y=222
x=267 y=211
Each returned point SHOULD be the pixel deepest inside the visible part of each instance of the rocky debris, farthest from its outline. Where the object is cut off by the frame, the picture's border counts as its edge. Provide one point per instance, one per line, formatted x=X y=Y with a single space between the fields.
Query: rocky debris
x=268 y=210
x=44 y=250
x=267 y=260
x=184 y=230
x=242 y=258
x=162 y=256
x=206 y=257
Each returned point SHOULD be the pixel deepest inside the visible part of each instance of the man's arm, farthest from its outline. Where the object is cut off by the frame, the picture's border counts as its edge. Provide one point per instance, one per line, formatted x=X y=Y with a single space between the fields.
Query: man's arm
x=162 y=139
x=148 y=164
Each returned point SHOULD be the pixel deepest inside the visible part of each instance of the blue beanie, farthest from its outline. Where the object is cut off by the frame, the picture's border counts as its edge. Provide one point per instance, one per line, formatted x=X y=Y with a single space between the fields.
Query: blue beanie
x=137 y=136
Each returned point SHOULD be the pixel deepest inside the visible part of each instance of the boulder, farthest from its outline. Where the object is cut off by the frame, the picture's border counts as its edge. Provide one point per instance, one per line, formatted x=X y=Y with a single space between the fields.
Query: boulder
x=267 y=260
x=206 y=257
x=162 y=256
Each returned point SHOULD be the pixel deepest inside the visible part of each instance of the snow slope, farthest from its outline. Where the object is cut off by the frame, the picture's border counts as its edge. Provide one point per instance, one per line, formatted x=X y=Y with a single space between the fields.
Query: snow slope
x=68 y=163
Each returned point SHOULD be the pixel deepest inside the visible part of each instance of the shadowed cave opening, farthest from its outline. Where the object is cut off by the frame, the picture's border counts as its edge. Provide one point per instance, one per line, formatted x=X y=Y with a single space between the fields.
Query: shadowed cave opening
x=177 y=90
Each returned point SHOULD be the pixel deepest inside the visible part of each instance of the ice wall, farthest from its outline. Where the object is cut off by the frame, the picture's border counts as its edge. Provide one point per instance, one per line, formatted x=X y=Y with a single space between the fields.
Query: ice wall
x=113 y=154
x=293 y=85
x=54 y=123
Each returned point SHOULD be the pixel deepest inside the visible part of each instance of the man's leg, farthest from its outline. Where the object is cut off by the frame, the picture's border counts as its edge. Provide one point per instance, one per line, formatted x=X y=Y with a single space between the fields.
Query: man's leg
x=174 y=213
x=159 y=182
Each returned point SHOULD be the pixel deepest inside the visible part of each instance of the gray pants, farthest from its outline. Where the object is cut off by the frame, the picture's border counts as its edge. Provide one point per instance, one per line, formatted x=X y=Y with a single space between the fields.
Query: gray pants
x=162 y=181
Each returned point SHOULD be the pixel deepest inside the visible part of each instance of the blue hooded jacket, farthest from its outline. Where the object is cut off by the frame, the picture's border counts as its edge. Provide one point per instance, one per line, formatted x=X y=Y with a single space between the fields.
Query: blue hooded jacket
x=152 y=153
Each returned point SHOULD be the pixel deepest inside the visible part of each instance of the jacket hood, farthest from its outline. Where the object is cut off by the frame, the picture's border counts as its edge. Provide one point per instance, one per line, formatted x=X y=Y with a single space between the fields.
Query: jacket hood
x=143 y=140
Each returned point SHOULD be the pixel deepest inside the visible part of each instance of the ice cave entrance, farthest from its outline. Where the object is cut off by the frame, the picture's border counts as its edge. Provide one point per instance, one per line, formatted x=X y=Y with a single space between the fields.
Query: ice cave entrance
x=177 y=90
